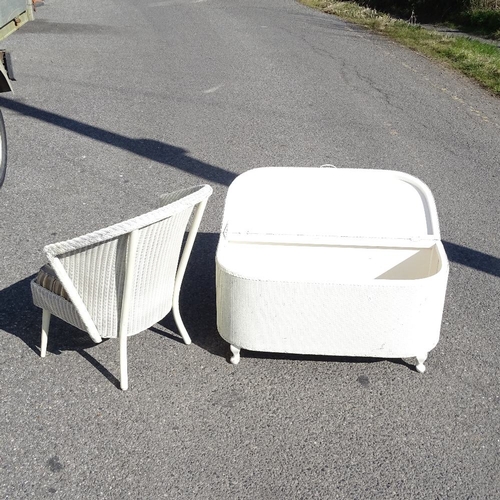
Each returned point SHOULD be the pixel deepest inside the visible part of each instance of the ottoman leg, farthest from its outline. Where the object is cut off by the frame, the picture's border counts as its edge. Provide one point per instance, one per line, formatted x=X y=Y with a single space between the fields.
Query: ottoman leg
x=421 y=360
x=235 y=358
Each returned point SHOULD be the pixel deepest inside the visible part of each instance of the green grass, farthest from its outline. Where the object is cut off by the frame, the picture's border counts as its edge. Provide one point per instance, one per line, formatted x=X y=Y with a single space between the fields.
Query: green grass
x=480 y=61
x=481 y=22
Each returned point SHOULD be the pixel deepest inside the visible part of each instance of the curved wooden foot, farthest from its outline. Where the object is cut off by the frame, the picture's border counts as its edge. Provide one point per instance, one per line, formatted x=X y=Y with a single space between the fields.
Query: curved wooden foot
x=235 y=358
x=421 y=360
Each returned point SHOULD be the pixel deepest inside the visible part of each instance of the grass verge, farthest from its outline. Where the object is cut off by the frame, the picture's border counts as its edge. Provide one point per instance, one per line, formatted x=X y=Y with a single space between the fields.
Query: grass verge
x=478 y=60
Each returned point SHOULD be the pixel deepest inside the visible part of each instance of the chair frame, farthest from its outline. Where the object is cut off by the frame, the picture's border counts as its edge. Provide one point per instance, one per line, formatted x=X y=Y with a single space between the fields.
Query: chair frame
x=195 y=198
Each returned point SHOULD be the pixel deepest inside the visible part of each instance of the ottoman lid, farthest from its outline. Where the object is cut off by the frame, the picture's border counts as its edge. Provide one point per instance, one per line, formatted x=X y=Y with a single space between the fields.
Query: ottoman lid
x=330 y=206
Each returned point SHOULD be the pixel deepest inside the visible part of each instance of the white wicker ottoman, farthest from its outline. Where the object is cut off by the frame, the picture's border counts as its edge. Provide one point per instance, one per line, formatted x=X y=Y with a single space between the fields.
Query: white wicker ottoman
x=341 y=262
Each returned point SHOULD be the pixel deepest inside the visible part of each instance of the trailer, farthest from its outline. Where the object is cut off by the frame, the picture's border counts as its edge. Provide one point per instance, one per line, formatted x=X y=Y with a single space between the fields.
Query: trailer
x=13 y=14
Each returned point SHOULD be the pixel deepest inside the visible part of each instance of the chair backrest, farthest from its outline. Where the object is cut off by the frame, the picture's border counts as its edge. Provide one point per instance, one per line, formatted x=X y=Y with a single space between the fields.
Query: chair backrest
x=140 y=255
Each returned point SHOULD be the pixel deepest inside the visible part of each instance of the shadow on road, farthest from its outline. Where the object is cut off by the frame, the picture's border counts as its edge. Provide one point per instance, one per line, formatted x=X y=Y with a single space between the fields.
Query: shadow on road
x=19 y=317
x=147 y=148
x=472 y=258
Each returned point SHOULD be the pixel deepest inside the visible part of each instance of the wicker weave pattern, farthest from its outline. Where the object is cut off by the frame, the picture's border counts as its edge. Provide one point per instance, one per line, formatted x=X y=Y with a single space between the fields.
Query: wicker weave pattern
x=59 y=306
x=153 y=286
x=343 y=262
x=403 y=320
x=92 y=269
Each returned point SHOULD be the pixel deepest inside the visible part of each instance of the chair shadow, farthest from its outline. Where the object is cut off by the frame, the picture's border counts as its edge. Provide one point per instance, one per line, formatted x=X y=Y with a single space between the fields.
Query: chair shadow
x=99 y=367
x=18 y=315
x=197 y=299
x=21 y=318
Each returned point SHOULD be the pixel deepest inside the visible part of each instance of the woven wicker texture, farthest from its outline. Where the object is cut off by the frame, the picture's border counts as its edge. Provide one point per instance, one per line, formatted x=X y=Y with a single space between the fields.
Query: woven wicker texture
x=343 y=262
x=328 y=318
x=57 y=305
x=92 y=269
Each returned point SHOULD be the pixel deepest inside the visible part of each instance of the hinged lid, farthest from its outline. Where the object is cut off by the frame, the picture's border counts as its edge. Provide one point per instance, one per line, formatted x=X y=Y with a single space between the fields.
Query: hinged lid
x=330 y=205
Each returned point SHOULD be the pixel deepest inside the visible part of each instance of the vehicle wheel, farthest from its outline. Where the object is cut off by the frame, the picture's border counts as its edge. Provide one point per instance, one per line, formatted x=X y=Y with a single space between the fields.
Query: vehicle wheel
x=3 y=150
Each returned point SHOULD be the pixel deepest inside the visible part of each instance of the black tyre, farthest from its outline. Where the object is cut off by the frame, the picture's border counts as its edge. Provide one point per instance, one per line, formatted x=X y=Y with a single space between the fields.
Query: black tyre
x=3 y=150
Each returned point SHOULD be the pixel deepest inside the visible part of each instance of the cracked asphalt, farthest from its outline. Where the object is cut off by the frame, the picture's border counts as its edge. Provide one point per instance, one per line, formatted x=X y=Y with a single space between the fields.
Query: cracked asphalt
x=117 y=102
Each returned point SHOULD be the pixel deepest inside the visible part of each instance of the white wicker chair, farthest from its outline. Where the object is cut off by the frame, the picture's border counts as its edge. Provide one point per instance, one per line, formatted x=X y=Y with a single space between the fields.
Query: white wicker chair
x=123 y=279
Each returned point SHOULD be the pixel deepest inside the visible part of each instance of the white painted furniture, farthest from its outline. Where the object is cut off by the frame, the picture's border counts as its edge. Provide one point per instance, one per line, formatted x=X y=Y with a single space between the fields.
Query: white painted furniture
x=328 y=261
x=123 y=279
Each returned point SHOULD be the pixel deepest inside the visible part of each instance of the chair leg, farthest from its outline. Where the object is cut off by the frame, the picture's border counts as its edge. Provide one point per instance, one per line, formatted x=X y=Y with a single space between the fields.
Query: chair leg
x=123 y=362
x=179 y=322
x=45 y=332
x=188 y=246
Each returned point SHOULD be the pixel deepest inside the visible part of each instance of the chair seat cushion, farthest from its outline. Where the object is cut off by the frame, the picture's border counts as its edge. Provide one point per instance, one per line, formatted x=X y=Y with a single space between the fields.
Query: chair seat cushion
x=48 y=279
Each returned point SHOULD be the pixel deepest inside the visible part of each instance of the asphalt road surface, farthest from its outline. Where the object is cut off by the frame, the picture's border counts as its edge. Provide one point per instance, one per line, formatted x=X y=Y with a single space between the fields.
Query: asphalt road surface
x=117 y=102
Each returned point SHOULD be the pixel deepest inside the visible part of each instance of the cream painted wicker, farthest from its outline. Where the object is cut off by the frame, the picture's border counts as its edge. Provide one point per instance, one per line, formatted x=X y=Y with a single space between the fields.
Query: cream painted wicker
x=344 y=262
x=123 y=279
